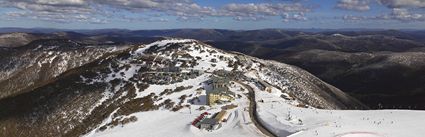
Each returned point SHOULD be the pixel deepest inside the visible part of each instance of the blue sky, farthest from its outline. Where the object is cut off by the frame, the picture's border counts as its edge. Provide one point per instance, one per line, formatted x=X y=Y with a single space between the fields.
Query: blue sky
x=218 y=14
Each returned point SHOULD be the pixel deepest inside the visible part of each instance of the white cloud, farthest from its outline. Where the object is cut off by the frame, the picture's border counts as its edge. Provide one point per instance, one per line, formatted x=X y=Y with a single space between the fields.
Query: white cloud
x=264 y=8
x=251 y=11
x=353 y=18
x=63 y=11
x=172 y=7
x=403 y=3
x=55 y=17
x=249 y=18
x=403 y=15
x=292 y=17
x=56 y=9
x=400 y=14
x=357 y=5
x=184 y=10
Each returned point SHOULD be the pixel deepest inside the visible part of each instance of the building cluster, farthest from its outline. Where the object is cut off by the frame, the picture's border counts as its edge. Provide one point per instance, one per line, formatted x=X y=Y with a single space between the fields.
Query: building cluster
x=169 y=75
x=233 y=75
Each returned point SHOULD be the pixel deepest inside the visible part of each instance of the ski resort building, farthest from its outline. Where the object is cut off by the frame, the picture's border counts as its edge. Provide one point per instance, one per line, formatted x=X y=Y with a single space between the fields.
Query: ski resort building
x=209 y=124
x=219 y=91
x=215 y=122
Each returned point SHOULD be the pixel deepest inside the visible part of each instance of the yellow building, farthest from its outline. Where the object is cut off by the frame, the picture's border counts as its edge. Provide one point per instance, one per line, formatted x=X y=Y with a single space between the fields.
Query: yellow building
x=219 y=91
x=213 y=98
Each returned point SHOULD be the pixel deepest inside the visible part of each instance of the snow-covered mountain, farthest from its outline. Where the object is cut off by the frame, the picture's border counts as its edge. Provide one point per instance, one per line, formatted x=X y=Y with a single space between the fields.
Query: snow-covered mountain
x=158 y=89
x=39 y=63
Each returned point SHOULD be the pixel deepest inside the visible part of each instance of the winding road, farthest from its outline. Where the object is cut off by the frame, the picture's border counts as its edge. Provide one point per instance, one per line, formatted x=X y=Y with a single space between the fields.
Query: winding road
x=252 y=111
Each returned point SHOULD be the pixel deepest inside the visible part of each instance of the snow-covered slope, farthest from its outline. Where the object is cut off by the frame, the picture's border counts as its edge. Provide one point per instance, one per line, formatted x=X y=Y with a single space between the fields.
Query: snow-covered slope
x=158 y=89
x=286 y=120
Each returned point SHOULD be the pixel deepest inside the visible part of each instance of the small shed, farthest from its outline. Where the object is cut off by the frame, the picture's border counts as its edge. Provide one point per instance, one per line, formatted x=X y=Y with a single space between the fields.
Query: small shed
x=221 y=116
x=264 y=86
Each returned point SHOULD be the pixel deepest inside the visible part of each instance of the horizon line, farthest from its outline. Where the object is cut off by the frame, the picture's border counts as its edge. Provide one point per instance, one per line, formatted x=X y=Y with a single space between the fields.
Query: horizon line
x=341 y=29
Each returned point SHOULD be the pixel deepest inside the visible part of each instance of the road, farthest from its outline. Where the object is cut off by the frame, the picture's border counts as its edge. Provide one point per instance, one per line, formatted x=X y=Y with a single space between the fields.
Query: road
x=252 y=111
